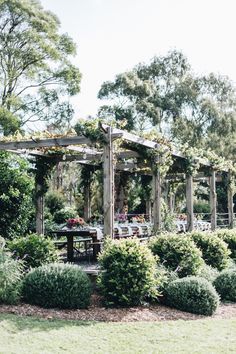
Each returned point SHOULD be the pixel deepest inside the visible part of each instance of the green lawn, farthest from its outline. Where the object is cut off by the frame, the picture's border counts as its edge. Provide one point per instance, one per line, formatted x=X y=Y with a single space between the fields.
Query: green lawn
x=31 y=335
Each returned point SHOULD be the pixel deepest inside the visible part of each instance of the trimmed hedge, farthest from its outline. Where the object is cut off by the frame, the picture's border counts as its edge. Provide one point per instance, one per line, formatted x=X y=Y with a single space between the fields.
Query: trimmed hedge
x=57 y=285
x=229 y=236
x=225 y=285
x=178 y=253
x=128 y=273
x=35 y=250
x=192 y=294
x=215 y=251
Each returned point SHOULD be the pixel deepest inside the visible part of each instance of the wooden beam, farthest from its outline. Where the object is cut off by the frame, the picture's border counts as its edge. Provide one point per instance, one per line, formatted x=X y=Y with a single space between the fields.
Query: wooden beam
x=230 y=203
x=213 y=200
x=36 y=143
x=87 y=202
x=108 y=186
x=39 y=211
x=189 y=202
x=156 y=202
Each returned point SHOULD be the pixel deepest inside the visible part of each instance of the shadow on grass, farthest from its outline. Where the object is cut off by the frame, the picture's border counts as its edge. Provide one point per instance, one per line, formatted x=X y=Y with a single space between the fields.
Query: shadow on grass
x=35 y=324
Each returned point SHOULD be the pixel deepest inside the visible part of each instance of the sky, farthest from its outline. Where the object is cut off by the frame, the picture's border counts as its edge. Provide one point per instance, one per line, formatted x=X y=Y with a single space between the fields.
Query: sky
x=112 y=36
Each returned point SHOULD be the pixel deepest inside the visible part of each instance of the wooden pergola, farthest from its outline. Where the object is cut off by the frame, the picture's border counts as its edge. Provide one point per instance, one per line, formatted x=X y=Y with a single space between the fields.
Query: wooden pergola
x=81 y=149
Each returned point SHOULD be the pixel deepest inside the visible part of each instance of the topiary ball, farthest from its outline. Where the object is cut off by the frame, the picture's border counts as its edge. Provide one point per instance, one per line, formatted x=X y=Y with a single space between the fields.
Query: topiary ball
x=57 y=285
x=192 y=294
x=215 y=251
x=128 y=273
x=225 y=285
x=177 y=253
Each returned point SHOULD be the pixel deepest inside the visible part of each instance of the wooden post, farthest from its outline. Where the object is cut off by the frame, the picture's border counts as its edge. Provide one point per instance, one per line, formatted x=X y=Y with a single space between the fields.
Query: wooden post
x=108 y=186
x=87 y=202
x=156 y=202
x=39 y=211
x=230 y=203
x=149 y=209
x=213 y=200
x=189 y=202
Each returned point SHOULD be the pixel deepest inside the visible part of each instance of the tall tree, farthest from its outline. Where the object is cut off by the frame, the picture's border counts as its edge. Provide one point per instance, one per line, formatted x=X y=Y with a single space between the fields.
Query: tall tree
x=36 y=74
x=165 y=94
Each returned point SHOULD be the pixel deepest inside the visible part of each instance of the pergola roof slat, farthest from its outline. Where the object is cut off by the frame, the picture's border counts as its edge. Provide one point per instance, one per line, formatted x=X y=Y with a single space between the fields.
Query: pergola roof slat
x=50 y=142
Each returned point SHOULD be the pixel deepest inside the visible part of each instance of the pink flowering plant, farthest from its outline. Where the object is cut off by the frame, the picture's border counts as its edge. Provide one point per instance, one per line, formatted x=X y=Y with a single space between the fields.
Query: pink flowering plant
x=75 y=222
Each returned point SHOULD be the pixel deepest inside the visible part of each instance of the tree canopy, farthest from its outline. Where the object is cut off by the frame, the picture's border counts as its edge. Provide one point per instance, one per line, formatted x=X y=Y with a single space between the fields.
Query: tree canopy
x=167 y=95
x=36 y=74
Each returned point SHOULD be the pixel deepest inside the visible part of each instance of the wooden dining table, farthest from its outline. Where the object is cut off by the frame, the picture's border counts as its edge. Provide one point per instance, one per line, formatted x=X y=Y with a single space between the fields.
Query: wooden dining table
x=70 y=234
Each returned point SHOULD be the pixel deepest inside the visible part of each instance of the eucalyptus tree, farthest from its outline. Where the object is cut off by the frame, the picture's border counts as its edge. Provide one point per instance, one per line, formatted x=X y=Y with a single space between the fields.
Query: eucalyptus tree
x=167 y=95
x=36 y=73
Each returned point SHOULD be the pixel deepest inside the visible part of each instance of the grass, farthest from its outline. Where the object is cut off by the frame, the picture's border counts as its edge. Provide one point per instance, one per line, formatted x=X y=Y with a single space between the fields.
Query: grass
x=32 y=335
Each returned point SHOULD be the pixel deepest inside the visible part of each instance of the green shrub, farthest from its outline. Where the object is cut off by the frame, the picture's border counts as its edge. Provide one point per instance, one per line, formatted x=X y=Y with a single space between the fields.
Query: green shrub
x=34 y=249
x=209 y=273
x=16 y=188
x=64 y=214
x=54 y=201
x=215 y=251
x=229 y=236
x=11 y=273
x=225 y=285
x=177 y=253
x=57 y=285
x=192 y=294
x=128 y=273
x=165 y=276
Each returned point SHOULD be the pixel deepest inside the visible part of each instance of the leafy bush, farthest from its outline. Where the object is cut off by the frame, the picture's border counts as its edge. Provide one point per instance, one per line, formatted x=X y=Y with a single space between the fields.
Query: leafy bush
x=209 y=273
x=225 y=285
x=177 y=253
x=215 y=251
x=11 y=273
x=16 y=188
x=57 y=285
x=128 y=274
x=229 y=236
x=192 y=294
x=35 y=250
x=64 y=214
x=54 y=201
x=165 y=276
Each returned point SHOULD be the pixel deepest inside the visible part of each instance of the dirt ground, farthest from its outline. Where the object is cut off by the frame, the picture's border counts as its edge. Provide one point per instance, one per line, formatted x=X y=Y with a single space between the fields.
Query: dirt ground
x=96 y=312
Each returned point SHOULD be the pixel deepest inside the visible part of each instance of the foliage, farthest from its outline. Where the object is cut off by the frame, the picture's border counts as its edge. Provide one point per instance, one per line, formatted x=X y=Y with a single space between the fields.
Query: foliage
x=192 y=294
x=64 y=214
x=15 y=196
x=57 y=285
x=225 y=285
x=90 y=129
x=229 y=237
x=43 y=168
x=165 y=276
x=215 y=251
x=209 y=273
x=55 y=201
x=11 y=273
x=177 y=253
x=34 y=249
x=36 y=72
x=167 y=95
x=128 y=273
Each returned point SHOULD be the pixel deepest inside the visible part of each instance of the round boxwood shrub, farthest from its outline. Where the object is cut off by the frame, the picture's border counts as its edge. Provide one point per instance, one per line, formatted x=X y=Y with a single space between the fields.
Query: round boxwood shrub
x=229 y=236
x=177 y=253
x=225 y=285
x=128 y=273
x=34 y=249
x=192 y=294
x=57 y=285
x=215 y=251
